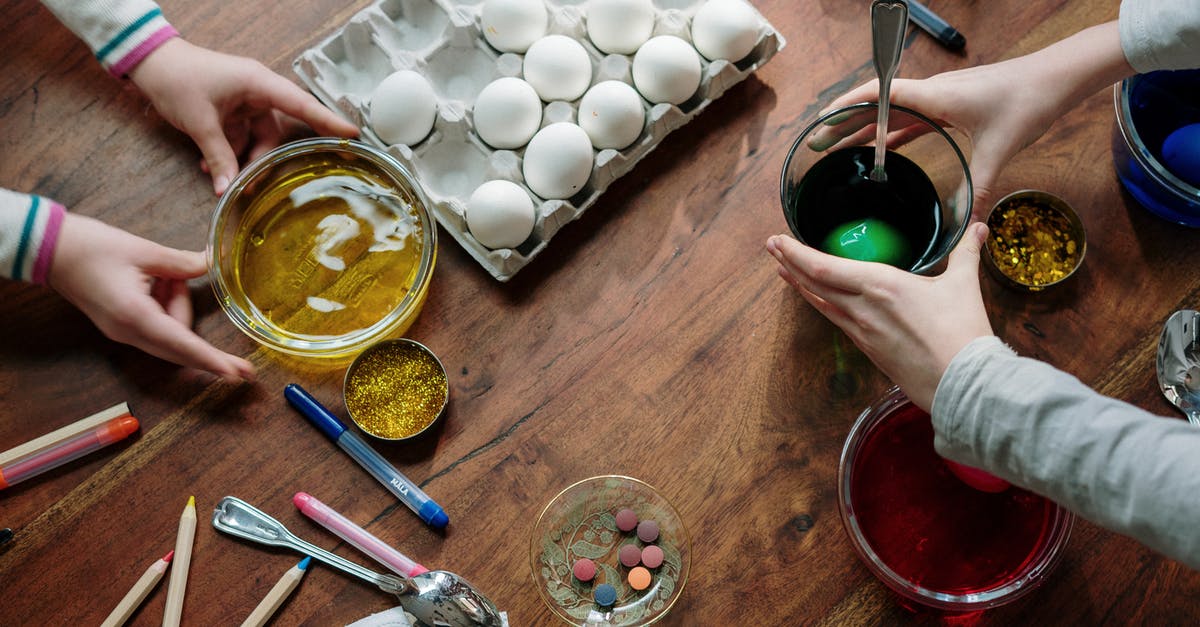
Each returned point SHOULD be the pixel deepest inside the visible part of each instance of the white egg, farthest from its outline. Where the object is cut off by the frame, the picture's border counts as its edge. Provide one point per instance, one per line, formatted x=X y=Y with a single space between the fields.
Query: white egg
x=725 y=29
x=558 y=68
x=507 y=113
x=512 y=25
x=611 y=114
x=558 y=161
x=500 y=214
x=619 y=26
x=666 y=69
x=403 y=108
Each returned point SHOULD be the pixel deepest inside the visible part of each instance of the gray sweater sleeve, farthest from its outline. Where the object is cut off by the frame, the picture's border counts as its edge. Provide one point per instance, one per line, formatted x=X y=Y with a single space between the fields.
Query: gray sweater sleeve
x=1110 y=462
x=1160 y=34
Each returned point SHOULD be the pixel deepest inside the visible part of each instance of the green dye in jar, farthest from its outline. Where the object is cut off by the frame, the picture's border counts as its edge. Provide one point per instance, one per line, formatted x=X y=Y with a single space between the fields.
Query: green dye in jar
x=870 y=239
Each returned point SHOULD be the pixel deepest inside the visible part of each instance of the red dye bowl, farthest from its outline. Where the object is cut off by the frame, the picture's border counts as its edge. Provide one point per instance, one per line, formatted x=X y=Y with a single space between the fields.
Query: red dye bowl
x=927 y=535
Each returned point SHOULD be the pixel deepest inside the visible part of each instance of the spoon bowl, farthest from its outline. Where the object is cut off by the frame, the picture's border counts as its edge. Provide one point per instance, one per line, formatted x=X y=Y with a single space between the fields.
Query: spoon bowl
x=1178 y=362
x=436 y=597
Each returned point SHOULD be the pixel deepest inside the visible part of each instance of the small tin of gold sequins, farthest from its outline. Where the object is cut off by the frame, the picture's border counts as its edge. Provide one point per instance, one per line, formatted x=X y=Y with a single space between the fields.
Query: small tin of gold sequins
x=1035 y=241
x=396 y=389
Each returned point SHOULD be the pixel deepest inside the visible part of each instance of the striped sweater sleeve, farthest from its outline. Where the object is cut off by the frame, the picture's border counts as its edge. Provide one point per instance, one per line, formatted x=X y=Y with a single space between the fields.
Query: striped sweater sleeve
x=29 y=227
x=120 y=32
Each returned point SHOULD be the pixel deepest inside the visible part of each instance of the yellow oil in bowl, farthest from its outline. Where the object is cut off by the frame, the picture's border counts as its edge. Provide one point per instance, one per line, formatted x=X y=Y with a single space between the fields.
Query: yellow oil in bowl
x=322 y=252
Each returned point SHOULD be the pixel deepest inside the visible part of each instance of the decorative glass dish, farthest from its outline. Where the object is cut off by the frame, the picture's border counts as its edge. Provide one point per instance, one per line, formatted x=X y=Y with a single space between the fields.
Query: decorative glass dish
x=580 y=522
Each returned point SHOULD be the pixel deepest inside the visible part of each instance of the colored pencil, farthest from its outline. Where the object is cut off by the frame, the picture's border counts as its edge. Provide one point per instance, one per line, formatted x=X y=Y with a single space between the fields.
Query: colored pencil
x=138 y=593
x=278 y=594
x=183 y=558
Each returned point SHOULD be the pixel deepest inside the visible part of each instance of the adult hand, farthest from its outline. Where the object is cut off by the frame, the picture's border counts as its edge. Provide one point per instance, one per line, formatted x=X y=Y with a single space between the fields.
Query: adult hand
x=136 y=292
x=228 y=105
x=910 y=326
x=1002 y=107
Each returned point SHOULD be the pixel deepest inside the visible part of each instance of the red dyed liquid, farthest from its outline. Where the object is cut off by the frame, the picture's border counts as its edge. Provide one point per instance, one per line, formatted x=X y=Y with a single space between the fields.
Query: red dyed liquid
x=930 y=527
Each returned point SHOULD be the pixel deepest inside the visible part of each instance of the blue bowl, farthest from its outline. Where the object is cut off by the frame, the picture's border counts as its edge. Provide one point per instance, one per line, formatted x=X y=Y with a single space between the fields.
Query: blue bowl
x=1149 y=108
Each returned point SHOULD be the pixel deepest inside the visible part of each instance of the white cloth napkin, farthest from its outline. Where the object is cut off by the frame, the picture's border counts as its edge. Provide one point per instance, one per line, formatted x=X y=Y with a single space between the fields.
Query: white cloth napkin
x=397 y=617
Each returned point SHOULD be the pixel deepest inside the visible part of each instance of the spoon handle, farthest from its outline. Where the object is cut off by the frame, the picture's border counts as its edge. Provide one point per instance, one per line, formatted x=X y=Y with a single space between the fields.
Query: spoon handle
x=889 y=19
x=239 y=518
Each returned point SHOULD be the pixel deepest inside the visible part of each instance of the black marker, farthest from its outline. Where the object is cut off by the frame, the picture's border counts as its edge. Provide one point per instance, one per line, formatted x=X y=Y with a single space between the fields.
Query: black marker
x=935 y=26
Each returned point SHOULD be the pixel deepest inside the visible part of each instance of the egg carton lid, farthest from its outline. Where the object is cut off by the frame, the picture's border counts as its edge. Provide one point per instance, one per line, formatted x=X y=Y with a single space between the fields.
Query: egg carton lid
x=443 y=41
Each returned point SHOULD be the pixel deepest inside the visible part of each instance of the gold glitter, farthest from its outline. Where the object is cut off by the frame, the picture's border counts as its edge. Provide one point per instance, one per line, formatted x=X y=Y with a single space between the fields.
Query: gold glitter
x=1032 y=243
x=395 y=389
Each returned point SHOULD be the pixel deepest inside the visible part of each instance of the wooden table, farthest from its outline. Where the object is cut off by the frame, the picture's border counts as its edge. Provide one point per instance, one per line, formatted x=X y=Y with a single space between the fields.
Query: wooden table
x=651 y=339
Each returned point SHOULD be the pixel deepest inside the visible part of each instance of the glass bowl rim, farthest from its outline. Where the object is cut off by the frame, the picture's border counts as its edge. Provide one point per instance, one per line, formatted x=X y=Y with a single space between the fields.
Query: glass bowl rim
x=344 y=345
x=962 y=160
x=534 y=538
x=1141 y=153
x=1046 y=559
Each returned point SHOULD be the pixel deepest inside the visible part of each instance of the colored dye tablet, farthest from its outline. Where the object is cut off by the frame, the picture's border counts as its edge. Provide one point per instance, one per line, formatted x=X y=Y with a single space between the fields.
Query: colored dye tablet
x=629 y=555
x=639 y=578
x=652 y=556
x=605 y=595
x=584 y=569
x=626 y=520
x=647 y=531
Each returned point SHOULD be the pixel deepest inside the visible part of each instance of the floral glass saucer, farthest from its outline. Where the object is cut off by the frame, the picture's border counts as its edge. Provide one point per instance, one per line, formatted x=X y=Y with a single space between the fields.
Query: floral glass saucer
x=581 y=523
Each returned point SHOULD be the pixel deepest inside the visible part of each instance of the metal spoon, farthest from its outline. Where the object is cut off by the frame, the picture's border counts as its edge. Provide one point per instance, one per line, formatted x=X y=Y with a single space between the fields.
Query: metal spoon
x=1178 y=362
x=435 y=598
x=889 y=18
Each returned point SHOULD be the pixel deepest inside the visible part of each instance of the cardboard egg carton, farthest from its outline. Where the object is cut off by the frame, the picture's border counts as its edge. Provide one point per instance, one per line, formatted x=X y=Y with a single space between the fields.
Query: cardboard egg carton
x=442 y=40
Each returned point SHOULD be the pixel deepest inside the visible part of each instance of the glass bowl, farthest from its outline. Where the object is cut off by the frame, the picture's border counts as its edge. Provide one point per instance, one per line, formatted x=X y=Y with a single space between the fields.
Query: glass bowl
x=321 y=247
x=932 y=227
x=927 y=535
x=1035 y=241
x=580 y=522
x=1149 y=108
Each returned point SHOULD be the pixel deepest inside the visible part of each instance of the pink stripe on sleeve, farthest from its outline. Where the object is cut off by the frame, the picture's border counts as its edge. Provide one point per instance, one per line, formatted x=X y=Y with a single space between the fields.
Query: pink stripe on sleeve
x=41 y=265
x=135 y=56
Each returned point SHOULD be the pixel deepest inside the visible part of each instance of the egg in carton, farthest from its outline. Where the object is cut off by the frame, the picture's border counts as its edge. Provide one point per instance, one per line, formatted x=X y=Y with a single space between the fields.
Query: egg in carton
x=461 y=49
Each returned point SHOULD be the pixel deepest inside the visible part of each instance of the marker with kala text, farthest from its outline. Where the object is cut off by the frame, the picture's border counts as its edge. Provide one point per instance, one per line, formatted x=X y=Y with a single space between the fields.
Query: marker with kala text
x=367 y=457
x=933 y=24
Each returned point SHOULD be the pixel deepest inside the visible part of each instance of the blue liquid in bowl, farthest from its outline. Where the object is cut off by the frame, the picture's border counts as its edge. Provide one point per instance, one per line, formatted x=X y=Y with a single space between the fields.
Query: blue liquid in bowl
x=1150 y=107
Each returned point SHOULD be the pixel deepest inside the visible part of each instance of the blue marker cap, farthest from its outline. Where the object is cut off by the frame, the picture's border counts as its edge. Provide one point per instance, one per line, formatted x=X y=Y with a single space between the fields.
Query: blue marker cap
x=433 y=515
x=316 y=413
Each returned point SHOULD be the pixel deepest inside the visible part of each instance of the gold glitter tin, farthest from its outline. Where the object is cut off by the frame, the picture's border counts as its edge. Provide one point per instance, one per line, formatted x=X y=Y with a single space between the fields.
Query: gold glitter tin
x=1035 y=241
x=396 y=389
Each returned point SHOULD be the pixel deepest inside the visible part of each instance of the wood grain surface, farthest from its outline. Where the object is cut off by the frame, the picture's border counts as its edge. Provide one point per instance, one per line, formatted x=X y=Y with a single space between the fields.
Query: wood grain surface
x=652 y=339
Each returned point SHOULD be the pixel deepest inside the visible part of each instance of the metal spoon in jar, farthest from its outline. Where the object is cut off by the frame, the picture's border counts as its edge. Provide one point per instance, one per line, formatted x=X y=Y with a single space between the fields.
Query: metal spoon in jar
x=889 y=19
x=435 y=598
x=1178 y=362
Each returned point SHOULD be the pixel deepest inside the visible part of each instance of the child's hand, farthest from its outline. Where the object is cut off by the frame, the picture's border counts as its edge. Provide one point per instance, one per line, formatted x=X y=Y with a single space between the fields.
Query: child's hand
x=910 y=326
x=136 y=292
x=228 y=105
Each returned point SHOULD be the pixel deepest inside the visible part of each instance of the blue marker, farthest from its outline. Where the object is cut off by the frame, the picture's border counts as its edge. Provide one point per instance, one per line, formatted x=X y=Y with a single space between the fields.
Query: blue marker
x=385 y=473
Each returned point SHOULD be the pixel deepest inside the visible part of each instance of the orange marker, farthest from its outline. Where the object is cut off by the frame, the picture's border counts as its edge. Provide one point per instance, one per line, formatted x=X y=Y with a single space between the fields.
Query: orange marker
x=41 y=455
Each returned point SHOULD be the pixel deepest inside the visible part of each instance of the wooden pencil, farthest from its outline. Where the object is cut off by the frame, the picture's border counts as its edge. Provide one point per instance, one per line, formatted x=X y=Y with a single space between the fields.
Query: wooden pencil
x=138 y=593
x=183 y=558
x=278 y=594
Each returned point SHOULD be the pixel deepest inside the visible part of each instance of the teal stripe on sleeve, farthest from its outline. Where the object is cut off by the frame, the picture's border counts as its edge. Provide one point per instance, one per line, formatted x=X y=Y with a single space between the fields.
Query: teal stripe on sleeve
x=26 y=231
x=126 y=32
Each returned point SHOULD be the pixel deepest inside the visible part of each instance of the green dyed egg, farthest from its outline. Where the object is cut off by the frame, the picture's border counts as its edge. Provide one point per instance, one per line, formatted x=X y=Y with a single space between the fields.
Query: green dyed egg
x=867 y=240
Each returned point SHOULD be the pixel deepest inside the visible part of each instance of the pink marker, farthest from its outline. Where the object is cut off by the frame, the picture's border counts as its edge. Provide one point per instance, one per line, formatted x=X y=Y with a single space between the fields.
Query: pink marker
x=357 y=536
